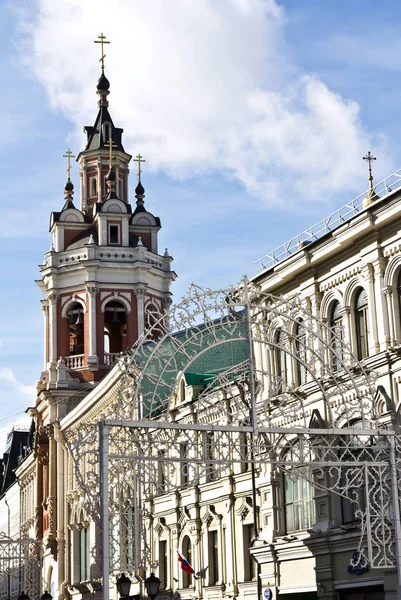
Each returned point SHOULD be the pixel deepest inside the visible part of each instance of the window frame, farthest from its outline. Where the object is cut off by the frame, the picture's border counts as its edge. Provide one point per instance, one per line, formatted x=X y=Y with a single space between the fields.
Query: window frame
x=361 y=319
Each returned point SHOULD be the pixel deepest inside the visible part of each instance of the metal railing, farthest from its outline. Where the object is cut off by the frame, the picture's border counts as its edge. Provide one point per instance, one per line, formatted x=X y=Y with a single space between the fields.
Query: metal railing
x=340 y=216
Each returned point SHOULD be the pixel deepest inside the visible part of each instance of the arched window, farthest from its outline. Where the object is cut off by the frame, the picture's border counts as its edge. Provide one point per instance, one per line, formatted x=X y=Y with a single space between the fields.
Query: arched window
x=106 y=131
x=336 y=336
x=84 y=553
x=115 y=329
x=280 y=340
x=187 y=553
x=75 y=316
x=93 y=187
x=300 y=352
x=298 y=497
x=152 y=315
x=361 y=324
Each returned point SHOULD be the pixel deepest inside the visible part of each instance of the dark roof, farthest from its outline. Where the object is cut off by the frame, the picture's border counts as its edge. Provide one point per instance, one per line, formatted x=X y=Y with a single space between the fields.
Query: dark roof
x=18 y=445
x=96 y=134
x=82 y=238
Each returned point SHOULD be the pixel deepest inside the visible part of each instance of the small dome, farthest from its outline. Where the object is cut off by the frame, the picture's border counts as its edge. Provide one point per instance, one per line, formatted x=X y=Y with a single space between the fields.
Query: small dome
x=111 y=175
x=69 y=186
x=139 y=190
x=103 y=83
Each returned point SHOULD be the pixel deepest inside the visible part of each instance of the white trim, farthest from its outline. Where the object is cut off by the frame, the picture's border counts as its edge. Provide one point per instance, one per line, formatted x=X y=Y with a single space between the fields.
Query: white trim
x=118 y=298
x=109 y=242
x=299 y=588
x=72 y=301
x=343 y=584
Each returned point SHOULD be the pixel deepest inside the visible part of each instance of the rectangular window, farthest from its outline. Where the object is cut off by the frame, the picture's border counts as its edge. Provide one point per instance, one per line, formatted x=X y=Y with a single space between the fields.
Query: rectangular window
x=211 y=455
x=213 y=557
x=161 y=471
x=184 y=466
x=163 y=564
x=249 y=563
x=84 y=554
x=114 y=234
x=299 y=503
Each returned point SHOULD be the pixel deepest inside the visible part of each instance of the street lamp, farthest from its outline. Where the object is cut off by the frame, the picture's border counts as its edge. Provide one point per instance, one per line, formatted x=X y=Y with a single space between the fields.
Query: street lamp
x=152 y=585
x=46 y=596
x=123 y=585
x=23 y=596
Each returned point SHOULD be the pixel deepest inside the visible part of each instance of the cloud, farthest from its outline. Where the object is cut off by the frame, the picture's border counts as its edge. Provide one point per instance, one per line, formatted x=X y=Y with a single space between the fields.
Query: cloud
x=203 y=86
x=9 y=381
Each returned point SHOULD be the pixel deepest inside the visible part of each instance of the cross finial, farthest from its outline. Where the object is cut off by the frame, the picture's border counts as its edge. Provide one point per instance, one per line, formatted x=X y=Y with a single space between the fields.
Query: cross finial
x=139 y=158
x=68 y=155
x=110 y=144
x=102 y=41
x=369 y=158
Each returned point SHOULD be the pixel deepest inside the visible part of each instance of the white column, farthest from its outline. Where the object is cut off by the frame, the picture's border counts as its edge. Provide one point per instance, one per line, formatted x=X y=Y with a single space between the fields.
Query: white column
x=388 y=292
x=45 y=310
x=99 y=180
x=140 y=296
x=368 y=272
x=52 y=298
x=92 y=360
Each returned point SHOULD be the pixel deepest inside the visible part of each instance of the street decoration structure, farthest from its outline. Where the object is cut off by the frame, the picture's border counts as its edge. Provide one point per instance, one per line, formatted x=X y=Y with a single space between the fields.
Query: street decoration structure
x=287 y=392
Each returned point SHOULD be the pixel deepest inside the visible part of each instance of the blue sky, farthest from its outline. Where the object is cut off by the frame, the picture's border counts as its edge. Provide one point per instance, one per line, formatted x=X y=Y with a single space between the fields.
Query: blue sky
x=253 y=116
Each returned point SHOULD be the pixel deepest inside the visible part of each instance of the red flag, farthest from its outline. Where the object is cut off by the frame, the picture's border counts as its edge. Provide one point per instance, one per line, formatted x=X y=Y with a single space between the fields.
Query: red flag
x=185 y=566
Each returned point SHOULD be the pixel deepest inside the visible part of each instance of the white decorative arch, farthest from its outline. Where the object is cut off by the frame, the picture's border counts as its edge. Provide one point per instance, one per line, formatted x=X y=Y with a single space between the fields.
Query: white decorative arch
x=71 y=301
x=72 y=215
x=392 y=271
x=117 y=298
x=144 y=218
x=327 y=301
x=351 y=289
x=114 y=206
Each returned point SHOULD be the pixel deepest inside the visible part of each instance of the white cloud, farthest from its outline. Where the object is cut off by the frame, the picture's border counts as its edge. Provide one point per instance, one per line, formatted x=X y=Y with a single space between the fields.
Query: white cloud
x=9 y=381
x=203 y=85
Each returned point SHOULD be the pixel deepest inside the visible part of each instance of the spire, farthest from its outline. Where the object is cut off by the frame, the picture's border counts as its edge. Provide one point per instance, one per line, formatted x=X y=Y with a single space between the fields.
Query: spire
x=371 y=196
x=111 y=175
x=103 y=84
x=69 y=186
x=139 y=190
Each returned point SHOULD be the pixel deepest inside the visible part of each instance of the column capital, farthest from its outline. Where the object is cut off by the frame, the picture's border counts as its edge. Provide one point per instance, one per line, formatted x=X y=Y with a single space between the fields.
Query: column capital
x=388 y=290
x=45 y=309
x=52 y=298
x=140 y=292
x=92 y=290
x=167 y=302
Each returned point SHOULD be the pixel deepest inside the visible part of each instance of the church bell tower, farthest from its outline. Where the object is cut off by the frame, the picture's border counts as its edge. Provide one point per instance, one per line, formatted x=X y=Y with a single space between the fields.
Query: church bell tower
x=103 y=277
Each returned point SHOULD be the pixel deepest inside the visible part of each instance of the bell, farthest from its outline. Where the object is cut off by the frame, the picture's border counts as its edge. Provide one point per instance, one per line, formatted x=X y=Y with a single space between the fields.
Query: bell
x=71 y=319
x=79 y=319
x=115 y=318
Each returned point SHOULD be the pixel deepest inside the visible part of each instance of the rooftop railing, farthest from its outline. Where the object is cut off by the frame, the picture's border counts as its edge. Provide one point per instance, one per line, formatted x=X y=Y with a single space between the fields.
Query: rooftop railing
x=340 y=216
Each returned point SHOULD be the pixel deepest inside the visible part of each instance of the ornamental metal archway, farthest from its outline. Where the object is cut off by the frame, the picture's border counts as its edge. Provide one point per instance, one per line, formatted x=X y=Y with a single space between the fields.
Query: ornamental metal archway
x=277 y=386
x=20 y=567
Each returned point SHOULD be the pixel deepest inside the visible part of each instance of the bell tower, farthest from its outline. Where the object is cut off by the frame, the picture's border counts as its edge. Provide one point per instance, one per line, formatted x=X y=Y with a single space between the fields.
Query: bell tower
x=103 y=277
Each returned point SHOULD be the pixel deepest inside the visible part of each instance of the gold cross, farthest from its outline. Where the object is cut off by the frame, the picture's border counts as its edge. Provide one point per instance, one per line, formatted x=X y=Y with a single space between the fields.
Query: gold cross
x=139 y=158
x=370 y=159
x=102 y=41
x=68 y=155
x=110 y=144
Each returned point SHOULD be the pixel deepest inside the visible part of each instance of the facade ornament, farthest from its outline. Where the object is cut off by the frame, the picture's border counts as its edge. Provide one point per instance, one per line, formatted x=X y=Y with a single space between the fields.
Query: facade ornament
x=52 y=298
x=140 y=293
x=92 y=290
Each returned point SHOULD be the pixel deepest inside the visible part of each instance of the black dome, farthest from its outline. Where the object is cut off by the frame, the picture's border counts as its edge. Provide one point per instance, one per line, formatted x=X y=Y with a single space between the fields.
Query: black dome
x=139 y=190
x=103 y=83
x=111 y=175
x=69 y=186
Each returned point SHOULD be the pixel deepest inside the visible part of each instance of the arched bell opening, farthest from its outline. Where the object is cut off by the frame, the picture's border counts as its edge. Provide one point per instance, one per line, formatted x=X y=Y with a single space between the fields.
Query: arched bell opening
x=75 y=316
x=115 y=330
